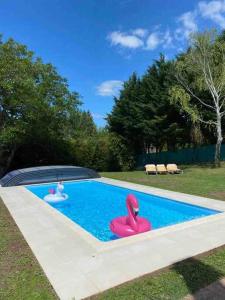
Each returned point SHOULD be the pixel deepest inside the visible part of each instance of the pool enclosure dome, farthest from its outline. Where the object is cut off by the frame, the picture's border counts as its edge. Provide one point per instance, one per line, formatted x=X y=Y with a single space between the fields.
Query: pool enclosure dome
x=46 y=174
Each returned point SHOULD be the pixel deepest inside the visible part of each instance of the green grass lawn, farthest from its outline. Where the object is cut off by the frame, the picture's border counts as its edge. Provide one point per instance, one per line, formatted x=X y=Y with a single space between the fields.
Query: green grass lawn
x=21 y=277
x=203 y=181
x=183 y=278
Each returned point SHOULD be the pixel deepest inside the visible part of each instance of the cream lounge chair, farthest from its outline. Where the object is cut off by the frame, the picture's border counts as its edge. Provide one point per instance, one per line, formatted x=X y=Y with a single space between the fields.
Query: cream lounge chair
x=173 y=169
x=150 y=169
x=161 y=169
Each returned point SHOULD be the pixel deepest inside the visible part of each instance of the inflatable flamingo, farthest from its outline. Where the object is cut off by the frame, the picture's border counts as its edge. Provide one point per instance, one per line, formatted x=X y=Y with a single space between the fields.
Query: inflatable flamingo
x=131 y=224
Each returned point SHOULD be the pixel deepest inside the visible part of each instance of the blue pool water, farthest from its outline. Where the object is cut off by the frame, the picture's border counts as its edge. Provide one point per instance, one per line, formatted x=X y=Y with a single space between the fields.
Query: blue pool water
x=93 y=205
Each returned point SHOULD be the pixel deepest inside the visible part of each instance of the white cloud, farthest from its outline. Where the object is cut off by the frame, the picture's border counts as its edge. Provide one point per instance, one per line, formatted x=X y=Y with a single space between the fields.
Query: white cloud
x=97 y=116
x=167 y=39
x=156 y=39
x=138 y=39
x=153 y=41
x=188 y=25
x=213 y=10
x=119 y=38
x=140 y=32
x=180 y=49
x=109 y=88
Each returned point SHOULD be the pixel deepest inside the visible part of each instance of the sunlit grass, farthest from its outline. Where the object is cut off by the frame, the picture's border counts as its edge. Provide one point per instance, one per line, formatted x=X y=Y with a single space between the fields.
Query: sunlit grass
x=204 y=181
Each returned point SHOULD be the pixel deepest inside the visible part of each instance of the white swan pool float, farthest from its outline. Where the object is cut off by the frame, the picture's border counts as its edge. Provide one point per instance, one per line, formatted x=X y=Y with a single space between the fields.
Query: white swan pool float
x=59 y=196
x=54 y=198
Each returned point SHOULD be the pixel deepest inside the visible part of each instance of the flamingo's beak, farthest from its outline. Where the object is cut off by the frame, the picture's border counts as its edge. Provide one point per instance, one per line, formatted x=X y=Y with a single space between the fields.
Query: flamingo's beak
x=136 y=211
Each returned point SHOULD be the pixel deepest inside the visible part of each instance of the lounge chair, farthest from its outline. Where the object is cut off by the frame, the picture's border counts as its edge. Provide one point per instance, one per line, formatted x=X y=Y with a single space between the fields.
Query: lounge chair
x=173 y=169
x=150 y=169
x=161 y=169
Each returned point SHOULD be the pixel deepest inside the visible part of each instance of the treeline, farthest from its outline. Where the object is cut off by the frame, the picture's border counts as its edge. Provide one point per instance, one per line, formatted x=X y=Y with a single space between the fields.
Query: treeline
x=177 y=103
x=41 y=120
x=144 y=118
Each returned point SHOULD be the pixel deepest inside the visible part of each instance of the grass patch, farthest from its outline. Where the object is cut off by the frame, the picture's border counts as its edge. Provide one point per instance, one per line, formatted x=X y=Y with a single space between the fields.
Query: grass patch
x=197 y=180
x=21 y=277
x=182 y=279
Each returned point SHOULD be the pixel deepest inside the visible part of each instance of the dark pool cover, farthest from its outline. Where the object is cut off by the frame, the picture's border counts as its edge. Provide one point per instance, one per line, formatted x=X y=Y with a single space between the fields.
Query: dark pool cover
x=46 y=174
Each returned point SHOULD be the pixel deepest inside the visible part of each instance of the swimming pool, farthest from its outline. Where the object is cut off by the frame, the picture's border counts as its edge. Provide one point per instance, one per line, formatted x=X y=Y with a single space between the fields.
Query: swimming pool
x=93 y=205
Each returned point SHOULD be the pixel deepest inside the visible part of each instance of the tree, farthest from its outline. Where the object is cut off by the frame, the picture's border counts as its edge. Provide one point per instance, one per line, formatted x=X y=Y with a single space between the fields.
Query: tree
x=143 y=115
x=126 y=117
x=201 y=76
x=81 y=124
x=132 y=121
x=165 y=125
x=35 y=104
x=41 y=121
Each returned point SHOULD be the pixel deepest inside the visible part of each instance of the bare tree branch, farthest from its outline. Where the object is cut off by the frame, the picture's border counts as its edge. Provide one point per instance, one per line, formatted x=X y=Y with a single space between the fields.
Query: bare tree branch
x=193 y=94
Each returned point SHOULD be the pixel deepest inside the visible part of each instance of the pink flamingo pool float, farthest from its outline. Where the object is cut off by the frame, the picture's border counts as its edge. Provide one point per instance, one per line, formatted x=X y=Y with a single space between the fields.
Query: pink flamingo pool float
x=131 y=224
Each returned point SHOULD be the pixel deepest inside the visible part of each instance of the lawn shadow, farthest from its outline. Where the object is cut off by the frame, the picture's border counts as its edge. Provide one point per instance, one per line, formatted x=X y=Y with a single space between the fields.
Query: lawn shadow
x=198 y=275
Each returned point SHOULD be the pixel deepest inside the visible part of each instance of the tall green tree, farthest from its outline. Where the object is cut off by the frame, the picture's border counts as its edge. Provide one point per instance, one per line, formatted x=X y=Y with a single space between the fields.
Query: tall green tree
x=201 y=76
x=35 y=102
x=81 y=124
x=126 y=116
x=165 y=126
x=143 y=115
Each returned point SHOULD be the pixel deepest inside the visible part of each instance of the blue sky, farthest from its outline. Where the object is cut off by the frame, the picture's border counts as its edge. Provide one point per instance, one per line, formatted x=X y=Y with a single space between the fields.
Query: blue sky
x=97 y=44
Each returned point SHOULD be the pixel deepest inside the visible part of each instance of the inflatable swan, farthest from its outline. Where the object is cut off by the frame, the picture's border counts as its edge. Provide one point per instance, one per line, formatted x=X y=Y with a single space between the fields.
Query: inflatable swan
x=56 y=196
x=131 y=224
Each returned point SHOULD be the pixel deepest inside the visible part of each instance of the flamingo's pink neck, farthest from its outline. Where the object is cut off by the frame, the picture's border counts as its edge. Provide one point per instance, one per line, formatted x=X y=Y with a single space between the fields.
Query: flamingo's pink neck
x=131 y=216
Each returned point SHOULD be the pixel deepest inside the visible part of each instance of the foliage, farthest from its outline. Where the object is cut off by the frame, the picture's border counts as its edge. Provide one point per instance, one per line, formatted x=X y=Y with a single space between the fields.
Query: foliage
x=96 y=151
x=42 y=122
x=167 y=127
x=143 y=115
x=126 y=117
x=200 y=75
x=177 y=103
x=35 y=102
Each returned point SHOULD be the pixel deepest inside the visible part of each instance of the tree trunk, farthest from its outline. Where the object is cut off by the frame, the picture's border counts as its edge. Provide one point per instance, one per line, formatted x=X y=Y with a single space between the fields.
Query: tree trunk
x=7 y=161
x=219 y=141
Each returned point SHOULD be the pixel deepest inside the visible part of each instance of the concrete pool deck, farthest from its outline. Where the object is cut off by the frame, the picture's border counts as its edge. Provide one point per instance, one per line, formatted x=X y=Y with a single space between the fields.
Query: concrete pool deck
x=78 y=265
